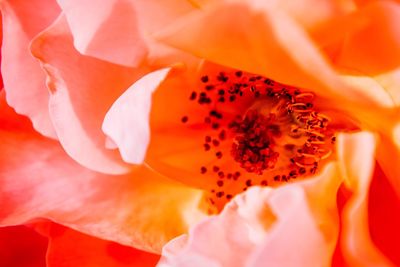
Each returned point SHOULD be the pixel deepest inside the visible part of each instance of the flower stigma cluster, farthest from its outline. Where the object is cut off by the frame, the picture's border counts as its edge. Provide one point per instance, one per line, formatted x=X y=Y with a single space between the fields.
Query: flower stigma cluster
x=264 y=133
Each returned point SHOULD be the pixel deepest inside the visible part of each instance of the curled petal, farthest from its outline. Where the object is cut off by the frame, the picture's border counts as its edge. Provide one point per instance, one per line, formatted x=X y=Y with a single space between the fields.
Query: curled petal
x=82 y=91
x=107 y=30
x=38 y=180
x=127 y=122
x=24 y=80
x=281 y=227
x=356 y=156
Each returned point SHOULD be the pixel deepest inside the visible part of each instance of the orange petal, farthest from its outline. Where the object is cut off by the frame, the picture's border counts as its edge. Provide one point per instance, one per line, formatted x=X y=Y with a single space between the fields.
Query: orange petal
x=377 y=21
x=82 y=91
x=24 y=80
x=282 y=227
x=107 y=30
x=259 y=39
x=38 y=180
x=356 y=157
x=69 y=248
x=390 y=83
x=127 y=122
x=22 y=246
x=153 y=15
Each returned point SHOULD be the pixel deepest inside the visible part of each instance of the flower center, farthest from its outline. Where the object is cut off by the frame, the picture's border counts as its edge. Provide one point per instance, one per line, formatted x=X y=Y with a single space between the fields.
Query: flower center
x=265 y=133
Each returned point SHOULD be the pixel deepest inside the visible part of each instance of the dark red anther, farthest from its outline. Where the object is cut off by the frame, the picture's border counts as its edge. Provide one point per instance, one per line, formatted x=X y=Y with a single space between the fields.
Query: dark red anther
x=215 y=125
x=215 y=142
x=215 y=168
x=220 y=183
x=221 y=174
x=193 y=96
x=248 y=182
x=229 y=196
x=222 y=77
x=277 y=177
x=204 y=79
x=222 y=135
x=220 y=194
x=184 y=119
x=208 y=139
x=238 y=74
x=289 y=147
x=207 y=147
x=218 y=154
x=209 y=87
x=203 y=170
x=264 y=183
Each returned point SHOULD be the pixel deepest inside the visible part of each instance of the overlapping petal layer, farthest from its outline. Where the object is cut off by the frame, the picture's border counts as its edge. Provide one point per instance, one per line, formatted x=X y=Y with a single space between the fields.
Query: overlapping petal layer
x=37 y=179
x=82 y=89
x=127 y=122
x=107 y=30
x=356 y=155
x=262 y=225
x=69 y=248
x=24 y=80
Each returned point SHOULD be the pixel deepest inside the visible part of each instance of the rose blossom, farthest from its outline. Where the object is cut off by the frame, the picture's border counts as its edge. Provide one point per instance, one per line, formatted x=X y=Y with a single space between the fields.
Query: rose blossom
x=138 y=136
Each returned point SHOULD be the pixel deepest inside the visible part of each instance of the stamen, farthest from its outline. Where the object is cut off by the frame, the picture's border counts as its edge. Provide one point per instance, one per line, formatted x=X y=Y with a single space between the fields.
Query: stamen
x=279 y=135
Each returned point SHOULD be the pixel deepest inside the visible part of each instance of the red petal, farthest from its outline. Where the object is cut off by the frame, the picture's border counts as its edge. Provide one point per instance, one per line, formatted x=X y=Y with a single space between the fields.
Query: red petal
x=22 y=246
x=69 y=248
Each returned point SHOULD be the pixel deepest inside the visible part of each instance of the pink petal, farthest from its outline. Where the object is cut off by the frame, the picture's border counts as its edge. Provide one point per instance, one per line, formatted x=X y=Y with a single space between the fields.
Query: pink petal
x=24 y=80
x=278 y=227
x=82 y=91
x=38 y=180
x=127 y=122
x=107 y=30
x=356 y=155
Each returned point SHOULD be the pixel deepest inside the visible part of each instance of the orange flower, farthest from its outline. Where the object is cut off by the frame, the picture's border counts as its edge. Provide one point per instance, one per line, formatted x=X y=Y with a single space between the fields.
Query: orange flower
x=163 y=114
